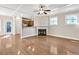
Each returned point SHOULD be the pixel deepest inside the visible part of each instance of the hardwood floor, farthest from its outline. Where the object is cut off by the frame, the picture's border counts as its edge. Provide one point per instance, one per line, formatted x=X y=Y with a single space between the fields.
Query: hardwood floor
x=38 y=45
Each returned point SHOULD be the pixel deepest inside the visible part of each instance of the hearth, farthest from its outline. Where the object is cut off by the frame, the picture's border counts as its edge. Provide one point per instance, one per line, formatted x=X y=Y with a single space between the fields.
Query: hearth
x=41 y=32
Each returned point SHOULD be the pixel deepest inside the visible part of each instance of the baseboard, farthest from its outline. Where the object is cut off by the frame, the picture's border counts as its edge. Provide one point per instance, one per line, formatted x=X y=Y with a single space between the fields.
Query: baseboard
x=6 y=34
x=16 y=33
x=1 y=35
x=28 y=36
x=63 y=37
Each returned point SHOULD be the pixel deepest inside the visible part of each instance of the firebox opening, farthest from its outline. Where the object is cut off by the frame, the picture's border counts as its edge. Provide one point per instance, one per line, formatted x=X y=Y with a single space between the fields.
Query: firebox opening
x=42 y=32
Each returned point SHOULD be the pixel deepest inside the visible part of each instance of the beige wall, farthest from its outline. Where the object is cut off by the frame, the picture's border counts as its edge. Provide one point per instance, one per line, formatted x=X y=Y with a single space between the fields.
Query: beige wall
x=3 y=19
x=64 y=30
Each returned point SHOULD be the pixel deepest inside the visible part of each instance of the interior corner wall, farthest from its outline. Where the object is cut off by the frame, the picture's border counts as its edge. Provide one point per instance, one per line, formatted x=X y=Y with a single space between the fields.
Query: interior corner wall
x=1 y=26
x=65 y=30
x=18 y=26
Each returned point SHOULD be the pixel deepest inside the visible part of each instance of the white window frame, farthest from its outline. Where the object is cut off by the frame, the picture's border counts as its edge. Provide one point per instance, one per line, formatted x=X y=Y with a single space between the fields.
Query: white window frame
x=67 y=18
x=52 y=19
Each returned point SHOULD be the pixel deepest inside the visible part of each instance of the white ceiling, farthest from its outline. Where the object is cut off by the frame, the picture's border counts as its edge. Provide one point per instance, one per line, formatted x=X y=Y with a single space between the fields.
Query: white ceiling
x=27 y=10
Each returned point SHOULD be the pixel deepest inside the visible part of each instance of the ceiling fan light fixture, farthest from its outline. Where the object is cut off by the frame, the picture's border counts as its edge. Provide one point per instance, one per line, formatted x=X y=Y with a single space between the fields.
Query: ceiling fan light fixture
x=41 y=12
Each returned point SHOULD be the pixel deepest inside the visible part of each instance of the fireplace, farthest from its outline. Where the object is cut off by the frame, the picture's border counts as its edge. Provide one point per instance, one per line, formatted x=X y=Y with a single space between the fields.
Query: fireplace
x=41 y=32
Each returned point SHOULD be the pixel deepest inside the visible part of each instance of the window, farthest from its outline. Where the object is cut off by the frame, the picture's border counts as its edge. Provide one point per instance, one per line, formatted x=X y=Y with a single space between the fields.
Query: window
x=53 y=20
x=71 y=19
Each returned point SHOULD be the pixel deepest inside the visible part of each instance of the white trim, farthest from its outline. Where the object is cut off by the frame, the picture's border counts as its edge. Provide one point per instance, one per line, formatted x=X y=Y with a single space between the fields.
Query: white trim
x=1 y=34
x=28 y=36
x=14 y=33
x=63 y=36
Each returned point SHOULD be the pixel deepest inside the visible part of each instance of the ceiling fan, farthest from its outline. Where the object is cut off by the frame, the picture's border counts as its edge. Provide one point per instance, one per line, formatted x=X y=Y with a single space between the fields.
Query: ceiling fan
x=43 y=9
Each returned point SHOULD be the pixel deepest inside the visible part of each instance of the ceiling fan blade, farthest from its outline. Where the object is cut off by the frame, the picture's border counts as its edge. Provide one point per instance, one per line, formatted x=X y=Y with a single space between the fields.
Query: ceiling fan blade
x=47 y=10
x=45 y=13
